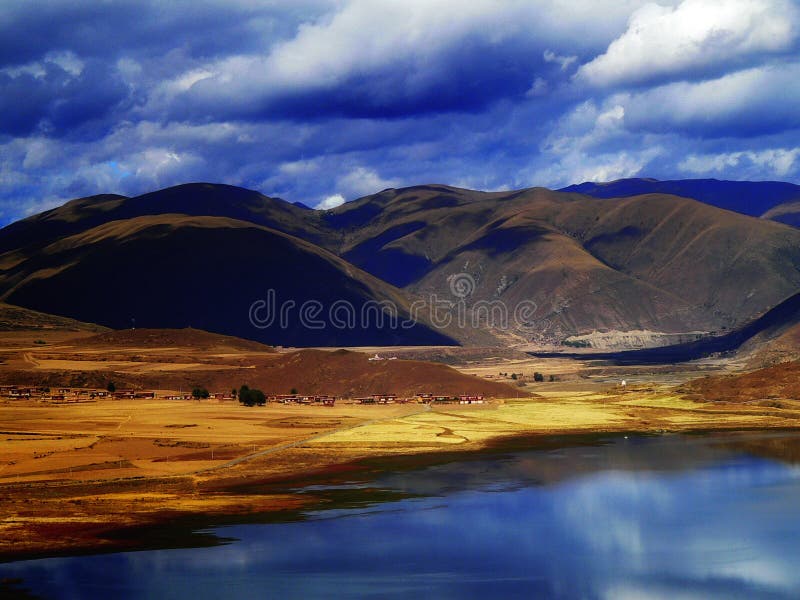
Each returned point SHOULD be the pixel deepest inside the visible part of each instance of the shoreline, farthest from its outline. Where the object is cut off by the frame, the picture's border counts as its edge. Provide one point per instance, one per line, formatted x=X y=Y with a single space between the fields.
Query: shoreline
x=175 y=512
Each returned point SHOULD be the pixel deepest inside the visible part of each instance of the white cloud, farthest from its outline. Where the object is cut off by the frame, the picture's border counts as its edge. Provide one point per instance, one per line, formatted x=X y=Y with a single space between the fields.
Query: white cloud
x=162 y=167
x=359 y=181
x=563 y=61
x=67 y=60
x=749 y=101
x=781 y=162
x=584 y=146
x=331 y=202
x=297 y=168
x=345 y=41
x=362 y=181
x=539 y=87
x=664 y=41
x=362 y=37
x=577 y=167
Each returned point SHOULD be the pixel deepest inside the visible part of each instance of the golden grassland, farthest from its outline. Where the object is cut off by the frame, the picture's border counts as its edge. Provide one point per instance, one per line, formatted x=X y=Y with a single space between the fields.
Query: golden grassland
x=72 y=473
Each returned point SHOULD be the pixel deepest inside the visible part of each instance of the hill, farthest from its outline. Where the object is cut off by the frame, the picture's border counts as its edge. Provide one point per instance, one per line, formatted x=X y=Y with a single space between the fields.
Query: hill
x=16 y=318
x=788 y=212
x=167 y=271
x=195 y=339
x=747 y=197
x=655 y=262
x=765 y=340
x=192 y=199
x=782 y=348
x=351 y=374
x=180 y=359
x=768 y=386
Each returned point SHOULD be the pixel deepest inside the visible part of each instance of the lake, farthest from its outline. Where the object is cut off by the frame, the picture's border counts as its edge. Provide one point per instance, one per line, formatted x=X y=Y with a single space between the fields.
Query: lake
x=674 y=516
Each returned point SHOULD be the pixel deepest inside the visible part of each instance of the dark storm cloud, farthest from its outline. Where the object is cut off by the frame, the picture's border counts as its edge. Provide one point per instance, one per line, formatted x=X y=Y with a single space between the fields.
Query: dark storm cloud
x=54 y=101
x=321 y=99
x=466 y=78
x=137 y=28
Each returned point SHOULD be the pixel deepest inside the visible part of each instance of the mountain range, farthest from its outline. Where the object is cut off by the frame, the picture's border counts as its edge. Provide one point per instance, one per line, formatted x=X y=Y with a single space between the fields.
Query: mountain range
x=647 y=259
x=754 y=198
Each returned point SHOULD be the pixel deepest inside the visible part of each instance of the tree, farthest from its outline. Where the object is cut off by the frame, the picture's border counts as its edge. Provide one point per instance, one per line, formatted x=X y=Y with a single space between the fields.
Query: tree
x=111 y=387
x=250 y=397
x=293 y=391
x=258 y=398
x=514 y=376
x=538 y=376
x=199 y=392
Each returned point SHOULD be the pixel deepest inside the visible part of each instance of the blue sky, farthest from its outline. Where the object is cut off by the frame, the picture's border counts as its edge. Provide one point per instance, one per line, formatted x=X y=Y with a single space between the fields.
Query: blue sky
x=322 y=101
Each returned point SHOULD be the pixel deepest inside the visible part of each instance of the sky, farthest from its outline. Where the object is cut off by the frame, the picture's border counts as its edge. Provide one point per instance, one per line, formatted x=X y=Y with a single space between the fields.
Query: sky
x=325 y=101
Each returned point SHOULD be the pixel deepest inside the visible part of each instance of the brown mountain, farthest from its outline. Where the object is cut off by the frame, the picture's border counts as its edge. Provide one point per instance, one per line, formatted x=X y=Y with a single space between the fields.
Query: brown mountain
x=652 y=262
x=199 y=255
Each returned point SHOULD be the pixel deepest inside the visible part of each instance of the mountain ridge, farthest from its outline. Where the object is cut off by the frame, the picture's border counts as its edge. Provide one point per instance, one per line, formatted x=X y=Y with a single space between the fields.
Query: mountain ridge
x=753 y=198
x=653 y=261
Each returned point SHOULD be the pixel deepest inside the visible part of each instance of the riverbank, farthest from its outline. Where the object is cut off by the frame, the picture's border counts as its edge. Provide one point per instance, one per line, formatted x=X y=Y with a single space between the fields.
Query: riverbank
x=125 y=474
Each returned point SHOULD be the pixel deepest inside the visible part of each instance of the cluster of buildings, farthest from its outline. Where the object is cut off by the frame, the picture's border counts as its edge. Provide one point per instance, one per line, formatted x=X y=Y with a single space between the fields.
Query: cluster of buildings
x=14 y=392
x=323 y=400
x=423 y=398
x=68 y=394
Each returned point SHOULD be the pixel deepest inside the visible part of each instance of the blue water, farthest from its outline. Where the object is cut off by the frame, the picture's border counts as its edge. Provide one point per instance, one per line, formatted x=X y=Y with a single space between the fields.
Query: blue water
x=668 y=517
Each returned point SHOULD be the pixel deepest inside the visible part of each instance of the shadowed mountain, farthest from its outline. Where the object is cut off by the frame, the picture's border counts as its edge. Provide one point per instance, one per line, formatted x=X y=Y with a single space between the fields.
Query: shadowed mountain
x=747 y=197
x=194 y=199
x=167 y=270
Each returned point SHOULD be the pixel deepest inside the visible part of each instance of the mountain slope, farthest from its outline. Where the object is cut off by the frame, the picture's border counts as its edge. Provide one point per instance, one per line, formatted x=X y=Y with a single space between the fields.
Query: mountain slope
x=194 y=339
x=764 y=387
x=747 y=197
x=194 y=199
x=654 y=262
x=768 y=339
x=166 y=270
x=788 y=212
x=16 y=318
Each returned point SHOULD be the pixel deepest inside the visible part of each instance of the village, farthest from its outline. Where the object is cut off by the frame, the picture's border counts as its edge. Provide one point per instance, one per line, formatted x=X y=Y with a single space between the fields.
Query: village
x=65 y=395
